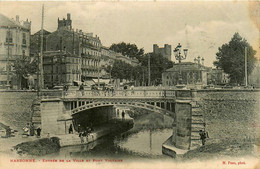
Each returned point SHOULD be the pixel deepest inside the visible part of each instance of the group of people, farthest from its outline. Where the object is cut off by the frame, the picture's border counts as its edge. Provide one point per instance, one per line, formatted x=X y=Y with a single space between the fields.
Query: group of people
x=30 y=130
x=84 y=134
x=108 y=91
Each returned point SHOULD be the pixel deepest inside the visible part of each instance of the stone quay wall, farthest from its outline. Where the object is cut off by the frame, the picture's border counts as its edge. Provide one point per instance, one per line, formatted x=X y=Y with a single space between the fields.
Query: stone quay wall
x=231 y=114
x=16 y=108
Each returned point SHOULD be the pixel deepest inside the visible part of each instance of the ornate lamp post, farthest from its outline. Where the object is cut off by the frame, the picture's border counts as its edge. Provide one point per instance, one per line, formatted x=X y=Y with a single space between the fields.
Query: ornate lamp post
x=178 y=56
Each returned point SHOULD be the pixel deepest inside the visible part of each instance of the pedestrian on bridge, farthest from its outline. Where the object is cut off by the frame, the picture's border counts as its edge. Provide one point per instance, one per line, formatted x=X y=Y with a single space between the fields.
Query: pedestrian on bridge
x=125 y=89
x=81 y=88
x=132 y=89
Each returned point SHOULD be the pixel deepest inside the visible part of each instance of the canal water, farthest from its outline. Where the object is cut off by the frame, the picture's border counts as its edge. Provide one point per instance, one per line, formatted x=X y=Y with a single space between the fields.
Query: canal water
x=145 y=144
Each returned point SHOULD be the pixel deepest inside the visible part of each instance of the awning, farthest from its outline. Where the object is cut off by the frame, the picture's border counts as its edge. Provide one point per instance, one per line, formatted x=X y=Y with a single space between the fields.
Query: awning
x=89 y=82
x=105 y=81
x=77 y=83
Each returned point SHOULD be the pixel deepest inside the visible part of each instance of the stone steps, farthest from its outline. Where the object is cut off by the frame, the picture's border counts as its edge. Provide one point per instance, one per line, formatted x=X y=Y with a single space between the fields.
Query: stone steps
x=36 y=109
x=197 y=123
x=195 y=144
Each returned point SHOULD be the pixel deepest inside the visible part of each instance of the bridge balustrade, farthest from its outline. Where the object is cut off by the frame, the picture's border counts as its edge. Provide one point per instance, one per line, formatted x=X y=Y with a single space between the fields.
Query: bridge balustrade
x=51 y=93
x=121 y=93
x=137 y=93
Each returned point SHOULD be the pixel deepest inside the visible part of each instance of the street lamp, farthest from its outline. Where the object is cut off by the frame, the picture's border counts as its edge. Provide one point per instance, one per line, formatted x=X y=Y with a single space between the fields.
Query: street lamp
x=178 y=56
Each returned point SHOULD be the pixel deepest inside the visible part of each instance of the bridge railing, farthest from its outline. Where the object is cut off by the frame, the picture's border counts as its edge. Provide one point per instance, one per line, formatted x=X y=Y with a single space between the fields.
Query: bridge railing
x=46 y=94
x=137 y=93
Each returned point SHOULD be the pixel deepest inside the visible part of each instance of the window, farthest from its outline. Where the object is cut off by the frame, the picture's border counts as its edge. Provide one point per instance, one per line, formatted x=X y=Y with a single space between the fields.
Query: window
x=23 y=52
x=24 y=39
x=9 y=37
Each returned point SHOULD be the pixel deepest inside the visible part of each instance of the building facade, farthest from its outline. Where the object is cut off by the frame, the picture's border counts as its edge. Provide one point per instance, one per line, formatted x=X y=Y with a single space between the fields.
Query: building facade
x=35 y=42
x=94 y=59
x=84 y=45
x=192 y=74
x=217 y=77
x=60 y=68
x=165 y=51
x=14 y=43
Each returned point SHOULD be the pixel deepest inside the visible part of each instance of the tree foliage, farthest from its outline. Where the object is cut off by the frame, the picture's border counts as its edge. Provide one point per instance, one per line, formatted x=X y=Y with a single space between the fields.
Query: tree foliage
x=231 y=58
x=127 y=49
x=121 y=70
x=24 y=66
x=139 y=73
x=158 y=64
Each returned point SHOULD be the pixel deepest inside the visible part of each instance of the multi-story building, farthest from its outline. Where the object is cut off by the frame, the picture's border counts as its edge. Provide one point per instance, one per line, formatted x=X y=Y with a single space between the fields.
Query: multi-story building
x=35 y=42
x=165 y=51
x=109 y=56
x=14 y=43
x=94 y=59
x=60 y=68
x=84 y=45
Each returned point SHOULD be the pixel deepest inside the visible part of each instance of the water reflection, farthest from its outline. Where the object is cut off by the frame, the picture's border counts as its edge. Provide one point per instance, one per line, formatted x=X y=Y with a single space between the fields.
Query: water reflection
x=144 y=144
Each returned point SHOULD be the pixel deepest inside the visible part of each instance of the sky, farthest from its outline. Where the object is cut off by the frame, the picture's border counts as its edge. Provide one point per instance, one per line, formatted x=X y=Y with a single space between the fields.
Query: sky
x=200 y=26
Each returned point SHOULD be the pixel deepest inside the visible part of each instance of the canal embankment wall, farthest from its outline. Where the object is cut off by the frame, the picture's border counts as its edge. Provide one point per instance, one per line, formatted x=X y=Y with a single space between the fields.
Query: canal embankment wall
x=231 y=114
x=16 y=107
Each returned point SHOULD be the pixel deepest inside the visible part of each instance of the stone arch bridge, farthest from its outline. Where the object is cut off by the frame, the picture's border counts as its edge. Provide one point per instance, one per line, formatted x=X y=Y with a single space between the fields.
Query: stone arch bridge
x=58 y=108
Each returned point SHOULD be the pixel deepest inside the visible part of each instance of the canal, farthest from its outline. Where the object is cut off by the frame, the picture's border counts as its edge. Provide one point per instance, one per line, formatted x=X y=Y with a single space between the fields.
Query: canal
x=145 y=144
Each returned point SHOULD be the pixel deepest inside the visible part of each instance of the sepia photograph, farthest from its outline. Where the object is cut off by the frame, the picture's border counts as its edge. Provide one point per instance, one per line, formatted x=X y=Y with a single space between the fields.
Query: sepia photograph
x=130 y=84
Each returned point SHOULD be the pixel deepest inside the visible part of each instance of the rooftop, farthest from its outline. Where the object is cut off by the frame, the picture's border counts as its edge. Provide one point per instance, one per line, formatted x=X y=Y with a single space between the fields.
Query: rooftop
x=186 y=66
x=5 y=21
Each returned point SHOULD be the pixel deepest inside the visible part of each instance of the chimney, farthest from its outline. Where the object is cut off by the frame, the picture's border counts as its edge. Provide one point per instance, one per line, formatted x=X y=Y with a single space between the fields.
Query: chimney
x=17 y=18
x=68 y=16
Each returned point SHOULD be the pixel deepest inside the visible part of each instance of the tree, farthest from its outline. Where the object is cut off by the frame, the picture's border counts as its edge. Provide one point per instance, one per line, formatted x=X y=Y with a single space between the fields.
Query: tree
x=231 y=58
x=24 y=66
x=139 y=73
x=158 y=64
x=127 y=49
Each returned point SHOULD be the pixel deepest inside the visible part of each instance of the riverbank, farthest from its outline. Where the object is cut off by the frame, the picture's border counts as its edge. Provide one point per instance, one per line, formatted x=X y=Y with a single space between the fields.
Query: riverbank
x=227 y=148
x=38 y=147
x=44 y=146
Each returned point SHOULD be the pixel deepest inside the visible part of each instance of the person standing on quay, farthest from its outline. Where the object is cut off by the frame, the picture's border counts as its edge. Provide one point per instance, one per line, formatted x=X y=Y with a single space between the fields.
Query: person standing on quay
x=38 y=131
x=32 y=129
x=123 y=115
x=203 y=136
x=81 y=137
x=70 y=129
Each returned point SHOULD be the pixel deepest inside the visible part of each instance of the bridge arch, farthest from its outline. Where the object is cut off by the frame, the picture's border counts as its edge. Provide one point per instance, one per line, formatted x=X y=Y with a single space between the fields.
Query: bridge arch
x=150 y=107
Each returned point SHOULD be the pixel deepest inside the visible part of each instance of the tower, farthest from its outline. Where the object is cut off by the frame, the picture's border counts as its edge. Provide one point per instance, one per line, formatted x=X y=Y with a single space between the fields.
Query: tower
x=65 y=23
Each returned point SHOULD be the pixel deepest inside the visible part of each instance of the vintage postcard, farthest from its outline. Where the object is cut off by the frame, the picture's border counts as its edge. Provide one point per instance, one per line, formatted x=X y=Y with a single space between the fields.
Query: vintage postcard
x=127 y=84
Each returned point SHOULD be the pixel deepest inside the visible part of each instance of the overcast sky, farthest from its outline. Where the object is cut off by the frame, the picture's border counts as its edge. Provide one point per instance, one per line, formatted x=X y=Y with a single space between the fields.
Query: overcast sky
x=201 y=27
